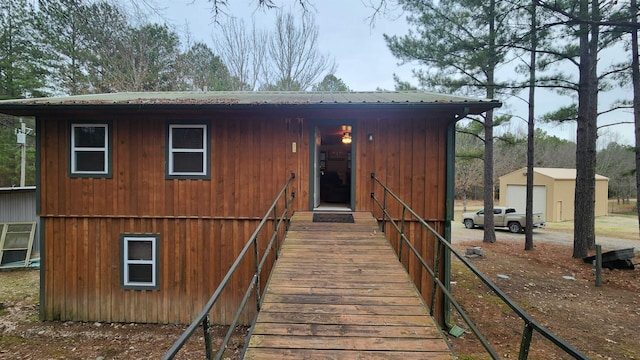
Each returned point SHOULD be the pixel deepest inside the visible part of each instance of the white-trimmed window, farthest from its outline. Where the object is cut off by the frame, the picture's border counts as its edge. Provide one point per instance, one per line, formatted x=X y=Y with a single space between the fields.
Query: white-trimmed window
x=139 y=261
x=187 y=151
x=89 y=152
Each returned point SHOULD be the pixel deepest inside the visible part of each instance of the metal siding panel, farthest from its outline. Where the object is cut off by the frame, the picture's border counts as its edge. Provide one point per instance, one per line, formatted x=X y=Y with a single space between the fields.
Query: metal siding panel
x=20 y=206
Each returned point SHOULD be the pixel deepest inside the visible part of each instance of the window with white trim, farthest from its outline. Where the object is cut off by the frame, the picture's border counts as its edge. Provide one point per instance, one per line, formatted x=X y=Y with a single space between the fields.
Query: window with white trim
x=187 y=151
x=89 y=152
x=139 y=261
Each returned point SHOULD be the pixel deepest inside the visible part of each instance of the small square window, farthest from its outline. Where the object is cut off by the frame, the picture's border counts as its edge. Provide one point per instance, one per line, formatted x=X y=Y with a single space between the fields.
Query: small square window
x=139 y=261
x=90 y=150
x=188 y=151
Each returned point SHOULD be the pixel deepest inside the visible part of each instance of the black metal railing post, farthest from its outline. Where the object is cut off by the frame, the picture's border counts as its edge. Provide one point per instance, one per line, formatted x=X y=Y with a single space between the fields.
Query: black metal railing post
x=293 y=195
x=436 y=269
x=256 y=252
x=404 y=210
x=384 y=212
x=275 y=224
x=208 y=347
x=287 y=222
x=525 y=345
x=286 y=209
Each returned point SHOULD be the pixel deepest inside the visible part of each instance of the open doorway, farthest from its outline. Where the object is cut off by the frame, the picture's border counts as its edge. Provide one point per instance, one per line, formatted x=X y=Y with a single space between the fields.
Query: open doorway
x=333 y=185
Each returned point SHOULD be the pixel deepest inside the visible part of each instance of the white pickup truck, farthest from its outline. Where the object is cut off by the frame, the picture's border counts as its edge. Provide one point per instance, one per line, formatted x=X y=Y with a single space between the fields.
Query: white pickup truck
x=502 y=217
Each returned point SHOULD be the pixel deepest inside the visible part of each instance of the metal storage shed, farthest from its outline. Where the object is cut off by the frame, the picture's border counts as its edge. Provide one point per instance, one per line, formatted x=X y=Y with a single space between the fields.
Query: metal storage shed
x=17 y=220
x=553 y=192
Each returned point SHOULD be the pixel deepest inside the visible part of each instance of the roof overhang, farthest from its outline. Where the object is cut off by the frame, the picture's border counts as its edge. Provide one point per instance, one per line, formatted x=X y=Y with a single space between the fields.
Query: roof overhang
x=228 y=100
x=17 y=189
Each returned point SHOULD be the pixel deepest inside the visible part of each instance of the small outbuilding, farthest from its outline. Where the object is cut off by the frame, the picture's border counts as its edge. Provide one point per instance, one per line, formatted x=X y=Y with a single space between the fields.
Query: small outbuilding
x=18 y=231
x=553 y=192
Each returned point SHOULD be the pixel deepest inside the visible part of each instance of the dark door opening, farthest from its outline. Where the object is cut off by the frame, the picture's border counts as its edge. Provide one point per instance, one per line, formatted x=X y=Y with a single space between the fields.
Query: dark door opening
x=334 y=146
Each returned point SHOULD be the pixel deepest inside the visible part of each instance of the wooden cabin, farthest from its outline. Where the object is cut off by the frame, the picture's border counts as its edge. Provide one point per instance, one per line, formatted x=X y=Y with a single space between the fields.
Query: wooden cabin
x=185 y=178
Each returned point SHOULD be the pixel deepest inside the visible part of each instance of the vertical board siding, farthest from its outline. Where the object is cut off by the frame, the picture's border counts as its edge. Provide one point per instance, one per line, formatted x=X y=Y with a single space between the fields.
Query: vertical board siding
x=245 y=177
x=425 y=244
x=204 y=223
x=409 y=156
x=189 y=270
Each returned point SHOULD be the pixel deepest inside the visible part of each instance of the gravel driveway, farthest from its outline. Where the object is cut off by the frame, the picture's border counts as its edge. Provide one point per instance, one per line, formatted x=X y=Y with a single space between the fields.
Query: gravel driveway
x=547 y=235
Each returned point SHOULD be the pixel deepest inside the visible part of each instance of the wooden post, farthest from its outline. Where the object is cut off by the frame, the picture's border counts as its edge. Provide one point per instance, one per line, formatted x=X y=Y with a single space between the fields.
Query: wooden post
x=23 y=151
x=598 y=265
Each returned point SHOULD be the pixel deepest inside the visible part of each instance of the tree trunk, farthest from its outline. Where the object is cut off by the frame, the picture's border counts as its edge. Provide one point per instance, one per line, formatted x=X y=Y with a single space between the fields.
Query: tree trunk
x=635 y=73
x=587 y=131
x=489 y=228
x=528 y=230
x=489 y=224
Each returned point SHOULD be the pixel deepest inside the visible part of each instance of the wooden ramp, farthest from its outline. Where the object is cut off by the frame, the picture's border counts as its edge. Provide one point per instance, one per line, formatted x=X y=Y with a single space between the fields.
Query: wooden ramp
x=338 y=292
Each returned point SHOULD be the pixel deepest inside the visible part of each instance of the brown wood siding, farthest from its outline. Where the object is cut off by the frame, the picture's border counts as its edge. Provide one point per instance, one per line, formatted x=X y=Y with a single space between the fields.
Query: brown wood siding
x=203 y=224
x=409 y=156
x=84 y=283
x=250 y=162
x=425 y=244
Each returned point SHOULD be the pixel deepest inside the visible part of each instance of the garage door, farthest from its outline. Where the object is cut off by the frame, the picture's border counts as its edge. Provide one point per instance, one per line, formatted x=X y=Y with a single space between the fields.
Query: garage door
x=517 y=198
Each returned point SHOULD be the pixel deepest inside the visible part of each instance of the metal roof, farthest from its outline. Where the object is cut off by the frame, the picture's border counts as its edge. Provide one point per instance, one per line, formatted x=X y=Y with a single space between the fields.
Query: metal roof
x=17 y=188
x=562 y=174
x=264 y=98
x=554 y=173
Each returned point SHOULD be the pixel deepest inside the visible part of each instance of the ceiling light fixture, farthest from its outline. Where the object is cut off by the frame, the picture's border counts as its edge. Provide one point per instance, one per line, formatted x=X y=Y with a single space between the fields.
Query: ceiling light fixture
x=346 y=138
x=346 y=134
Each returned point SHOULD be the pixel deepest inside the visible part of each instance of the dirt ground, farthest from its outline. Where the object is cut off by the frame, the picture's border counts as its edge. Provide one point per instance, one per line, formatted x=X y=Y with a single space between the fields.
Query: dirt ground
x=22 y=336
x=556 y=290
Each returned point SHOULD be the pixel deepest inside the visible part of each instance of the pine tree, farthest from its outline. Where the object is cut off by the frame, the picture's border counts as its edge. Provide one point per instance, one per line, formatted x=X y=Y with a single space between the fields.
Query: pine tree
x=64 y=25
x=331 y=83
x=201 y=69
x=22 y=61
x=582 y=21
x=461 y=43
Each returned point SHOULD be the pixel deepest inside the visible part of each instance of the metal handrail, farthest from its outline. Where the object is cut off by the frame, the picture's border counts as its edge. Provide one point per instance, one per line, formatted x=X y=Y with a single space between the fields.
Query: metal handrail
x=529 y=324
x=203 y=316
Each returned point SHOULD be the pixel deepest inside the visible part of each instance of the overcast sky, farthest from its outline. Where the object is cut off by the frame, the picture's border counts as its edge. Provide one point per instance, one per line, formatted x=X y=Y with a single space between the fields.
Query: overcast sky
x=364 y=61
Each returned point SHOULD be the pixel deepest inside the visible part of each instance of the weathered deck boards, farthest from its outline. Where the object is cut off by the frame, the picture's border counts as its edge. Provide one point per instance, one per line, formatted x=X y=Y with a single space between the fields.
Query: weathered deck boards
x=338 y=292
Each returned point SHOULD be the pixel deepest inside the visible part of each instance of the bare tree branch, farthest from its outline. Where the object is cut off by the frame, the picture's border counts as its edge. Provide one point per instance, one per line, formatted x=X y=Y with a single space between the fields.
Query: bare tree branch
x=615 y=124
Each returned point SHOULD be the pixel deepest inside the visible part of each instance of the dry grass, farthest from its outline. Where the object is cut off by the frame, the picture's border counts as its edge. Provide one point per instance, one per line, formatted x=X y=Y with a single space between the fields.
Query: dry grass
x=601 y=322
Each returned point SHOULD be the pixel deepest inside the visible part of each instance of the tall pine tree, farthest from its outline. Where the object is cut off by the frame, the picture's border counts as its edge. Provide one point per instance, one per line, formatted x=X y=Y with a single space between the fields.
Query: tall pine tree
x=23 y=64
x=461 y=43
x=64 y=25
x=581 y=22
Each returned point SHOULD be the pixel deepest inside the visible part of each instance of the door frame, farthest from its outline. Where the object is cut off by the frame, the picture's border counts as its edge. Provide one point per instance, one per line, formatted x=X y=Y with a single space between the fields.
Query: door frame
x=314 y=152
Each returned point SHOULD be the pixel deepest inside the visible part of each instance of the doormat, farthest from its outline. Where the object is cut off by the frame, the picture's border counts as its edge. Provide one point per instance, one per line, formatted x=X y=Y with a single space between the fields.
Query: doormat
x=334 y=218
